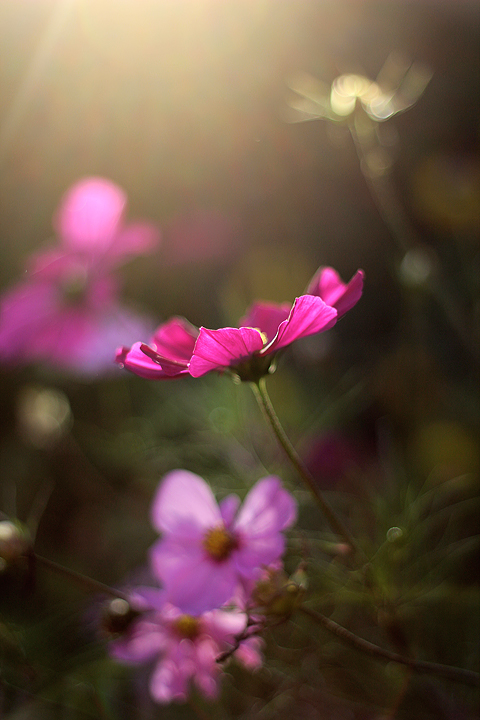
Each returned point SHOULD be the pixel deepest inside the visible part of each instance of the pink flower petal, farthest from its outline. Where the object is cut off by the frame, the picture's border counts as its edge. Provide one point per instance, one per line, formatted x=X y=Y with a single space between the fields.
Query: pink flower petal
x=135 y=238
x=90 y=215
x=175 y=339
x=184 y=500
x=135 y=360
x=249 y=653
x=257 y=553
x=267 y=509
x=266 y=317
x=144 y=641
x=223 y=625
x=192 y=581
x=220 y=349
x=228 y=508
x=328 y=285
x=170 y=678
x=308 y=315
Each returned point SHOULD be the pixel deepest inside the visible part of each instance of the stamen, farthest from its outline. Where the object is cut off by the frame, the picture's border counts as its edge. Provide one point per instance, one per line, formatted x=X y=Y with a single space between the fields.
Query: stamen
x=219 y=543
x=187 y=626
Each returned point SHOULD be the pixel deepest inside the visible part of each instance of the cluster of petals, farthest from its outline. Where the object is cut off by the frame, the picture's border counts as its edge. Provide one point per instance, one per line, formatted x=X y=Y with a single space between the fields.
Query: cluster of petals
x=67 y=311
x=209 y=552
x=185 y=648
x=177 y=348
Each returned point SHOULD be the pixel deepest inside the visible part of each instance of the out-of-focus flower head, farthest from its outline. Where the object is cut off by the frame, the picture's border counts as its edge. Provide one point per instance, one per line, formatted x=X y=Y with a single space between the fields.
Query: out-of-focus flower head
x=398 y=86
x=177 y=348
x=67 y=312
x=207 y=551
x=186 y=646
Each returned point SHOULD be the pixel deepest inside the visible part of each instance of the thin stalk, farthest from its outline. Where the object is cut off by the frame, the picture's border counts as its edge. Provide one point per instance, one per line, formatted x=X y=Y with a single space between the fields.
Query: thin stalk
x=88 y=584
x=404 y=233
x=260 y=392
x=467 y=677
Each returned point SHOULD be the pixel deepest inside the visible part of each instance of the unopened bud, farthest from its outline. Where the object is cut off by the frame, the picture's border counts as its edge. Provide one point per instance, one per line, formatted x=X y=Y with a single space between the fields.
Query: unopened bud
x=118 y=615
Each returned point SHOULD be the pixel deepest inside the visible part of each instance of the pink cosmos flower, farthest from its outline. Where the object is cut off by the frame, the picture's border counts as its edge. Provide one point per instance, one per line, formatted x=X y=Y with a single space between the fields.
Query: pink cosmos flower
x=327 y=284
x=267 y=328
x=207 y=551
x=187 y=646
x=67 y=312
x=177 y=348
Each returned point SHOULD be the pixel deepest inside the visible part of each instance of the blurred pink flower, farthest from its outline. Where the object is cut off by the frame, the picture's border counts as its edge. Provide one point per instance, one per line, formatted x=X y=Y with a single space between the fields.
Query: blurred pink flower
x=328 y=285
x=207 y=551
x=187 y=646
x=67 y=311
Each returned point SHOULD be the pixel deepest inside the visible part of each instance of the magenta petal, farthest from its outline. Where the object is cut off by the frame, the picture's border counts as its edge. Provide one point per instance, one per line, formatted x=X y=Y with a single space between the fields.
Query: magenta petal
x=184 y=500
x=308 y=315
x=90 y=214
x=267 y=509
x=136 y=361
x=175 y=339
x=171 y=368
x=266 y=317
x=328 y=285
x=220 y=349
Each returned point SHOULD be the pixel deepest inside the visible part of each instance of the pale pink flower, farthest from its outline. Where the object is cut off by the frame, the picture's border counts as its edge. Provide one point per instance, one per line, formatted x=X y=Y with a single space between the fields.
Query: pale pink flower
x=207 y=550
x=67 y=311
x=185 y=647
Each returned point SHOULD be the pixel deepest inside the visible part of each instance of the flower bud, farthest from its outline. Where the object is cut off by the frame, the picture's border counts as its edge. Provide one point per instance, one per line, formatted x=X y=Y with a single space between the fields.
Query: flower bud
x=118 y=615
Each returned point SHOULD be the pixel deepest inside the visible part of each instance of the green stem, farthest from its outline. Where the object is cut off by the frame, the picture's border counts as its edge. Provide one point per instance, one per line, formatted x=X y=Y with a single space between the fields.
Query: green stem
x=87 y=583
x=260 y=391
x=468 y=677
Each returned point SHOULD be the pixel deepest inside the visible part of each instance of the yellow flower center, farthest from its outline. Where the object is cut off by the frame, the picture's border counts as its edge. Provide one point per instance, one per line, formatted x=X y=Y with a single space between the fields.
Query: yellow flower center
x=187 y=626
x=219 y=543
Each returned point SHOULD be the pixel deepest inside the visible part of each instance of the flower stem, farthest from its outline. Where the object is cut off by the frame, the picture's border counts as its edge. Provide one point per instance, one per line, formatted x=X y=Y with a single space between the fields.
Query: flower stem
x=468 y=677
x=87 y=583
x=260 y=392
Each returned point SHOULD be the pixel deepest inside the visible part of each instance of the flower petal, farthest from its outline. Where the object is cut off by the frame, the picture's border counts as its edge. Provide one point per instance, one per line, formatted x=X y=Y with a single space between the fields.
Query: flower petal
x=135 y=360
x=328 y=285
x=184 y=501
x=220 y=349
x=141 y=643
x=308 y=315
x=228 y=508
x=192 y=581
x=134 y=239
x=175 y=339
x=267 y=509
x=266 y=317
x=257 y=553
